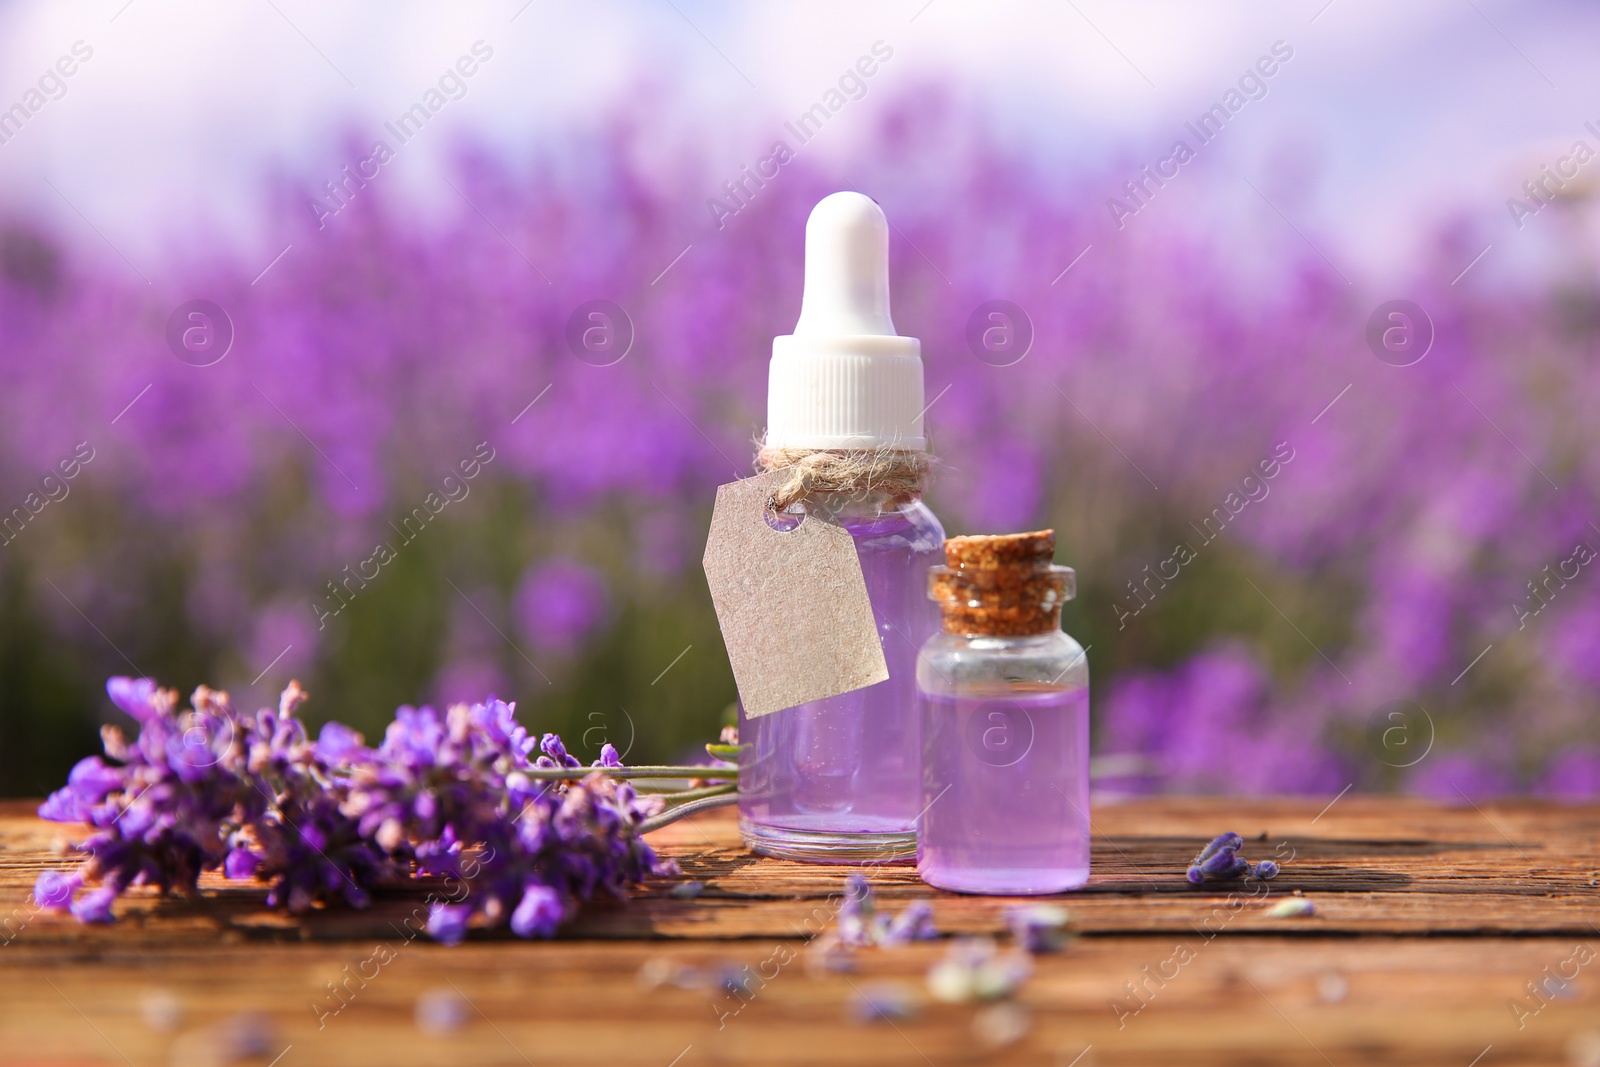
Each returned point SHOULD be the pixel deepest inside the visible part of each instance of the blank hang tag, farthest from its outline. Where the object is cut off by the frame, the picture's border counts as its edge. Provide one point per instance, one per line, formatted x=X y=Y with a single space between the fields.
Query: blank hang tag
x=792 y=605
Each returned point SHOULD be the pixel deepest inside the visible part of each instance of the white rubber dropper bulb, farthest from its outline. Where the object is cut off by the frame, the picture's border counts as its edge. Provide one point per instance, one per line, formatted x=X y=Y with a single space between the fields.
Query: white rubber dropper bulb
x=847 y=269
x=844 y=379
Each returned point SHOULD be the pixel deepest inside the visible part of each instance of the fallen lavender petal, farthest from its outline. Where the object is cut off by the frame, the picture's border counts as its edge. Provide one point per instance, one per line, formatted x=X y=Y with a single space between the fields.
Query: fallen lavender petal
x=914 y=923
x=883 y=1002
x=1292 y=908
x=1039 y=927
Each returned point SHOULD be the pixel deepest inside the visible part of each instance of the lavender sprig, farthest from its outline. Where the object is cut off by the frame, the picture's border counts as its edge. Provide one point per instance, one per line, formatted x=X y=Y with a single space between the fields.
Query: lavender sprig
x=468 y=794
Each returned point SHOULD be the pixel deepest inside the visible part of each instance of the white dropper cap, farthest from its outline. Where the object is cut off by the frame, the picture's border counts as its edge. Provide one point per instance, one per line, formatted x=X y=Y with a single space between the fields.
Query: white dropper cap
x=844 y=379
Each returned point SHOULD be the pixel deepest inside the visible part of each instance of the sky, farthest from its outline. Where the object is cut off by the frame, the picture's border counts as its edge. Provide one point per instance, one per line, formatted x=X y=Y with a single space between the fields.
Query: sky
x=1386 y=119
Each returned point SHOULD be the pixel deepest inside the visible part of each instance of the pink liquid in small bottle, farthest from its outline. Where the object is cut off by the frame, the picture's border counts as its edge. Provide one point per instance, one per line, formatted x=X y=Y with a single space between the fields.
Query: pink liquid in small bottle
x=1004 y=698
x=1005 y=781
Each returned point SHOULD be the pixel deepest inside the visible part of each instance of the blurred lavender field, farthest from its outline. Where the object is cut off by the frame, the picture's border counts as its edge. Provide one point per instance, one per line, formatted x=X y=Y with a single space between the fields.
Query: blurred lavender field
x=1403 y=603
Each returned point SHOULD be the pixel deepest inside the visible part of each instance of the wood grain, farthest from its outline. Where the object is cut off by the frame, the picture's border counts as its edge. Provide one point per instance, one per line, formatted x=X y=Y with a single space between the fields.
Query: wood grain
x=1442 y=935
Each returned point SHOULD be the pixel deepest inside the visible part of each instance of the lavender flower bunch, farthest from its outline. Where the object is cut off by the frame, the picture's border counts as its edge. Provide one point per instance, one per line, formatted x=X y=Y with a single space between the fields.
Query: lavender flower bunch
x=467 y=793
x=473 y=783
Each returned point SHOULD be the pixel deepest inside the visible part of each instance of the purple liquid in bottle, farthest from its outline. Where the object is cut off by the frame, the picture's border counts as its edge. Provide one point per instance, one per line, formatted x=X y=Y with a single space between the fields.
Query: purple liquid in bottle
x=1006 y=787
x=836 y=780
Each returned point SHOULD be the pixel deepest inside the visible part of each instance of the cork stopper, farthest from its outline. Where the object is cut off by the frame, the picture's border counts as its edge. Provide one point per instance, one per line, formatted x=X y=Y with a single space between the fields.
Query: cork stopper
x=1001 y=585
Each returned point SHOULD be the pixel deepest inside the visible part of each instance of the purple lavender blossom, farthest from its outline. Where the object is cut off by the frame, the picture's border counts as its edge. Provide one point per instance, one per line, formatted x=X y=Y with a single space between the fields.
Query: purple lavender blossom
x=558 y=603
x=95 y=905
x=1419 y=565
x=240 y=863
x=447 y=923
x=540 y=913
x=333 y=820
x=556 y=753
x=54 y=889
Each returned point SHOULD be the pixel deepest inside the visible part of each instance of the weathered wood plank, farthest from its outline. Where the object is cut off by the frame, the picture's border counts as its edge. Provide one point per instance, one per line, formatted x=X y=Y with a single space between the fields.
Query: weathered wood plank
x=1370 y=864
x=1442 y=937
x=1283 y=1000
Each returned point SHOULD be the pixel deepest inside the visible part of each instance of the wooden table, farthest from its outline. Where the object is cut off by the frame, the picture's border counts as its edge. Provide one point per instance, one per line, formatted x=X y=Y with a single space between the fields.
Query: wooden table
x=1461 y=936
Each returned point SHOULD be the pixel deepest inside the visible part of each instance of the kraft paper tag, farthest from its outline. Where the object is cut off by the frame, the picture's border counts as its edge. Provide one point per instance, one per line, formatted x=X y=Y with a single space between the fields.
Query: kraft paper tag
x=792 y=605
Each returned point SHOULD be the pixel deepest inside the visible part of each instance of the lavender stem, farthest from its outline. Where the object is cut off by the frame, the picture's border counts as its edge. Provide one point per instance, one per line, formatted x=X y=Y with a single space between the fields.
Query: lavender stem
x=693 y=807
x=560 y=774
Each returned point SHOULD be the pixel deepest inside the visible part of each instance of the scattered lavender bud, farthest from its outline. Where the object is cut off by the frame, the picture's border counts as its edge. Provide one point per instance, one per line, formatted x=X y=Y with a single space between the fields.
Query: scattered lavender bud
x=1231 y=841
x=1223 y=865
x=974 y=969
x=655 y=972
x=1196 y=875
x=161 y=1010
x=1265 y=869
x=1000 y=1024
x=1292 y=908
x=1559 y=988
x=735 y=978
x=883 y=1001
x=686 y=890
x=248 y=1035
x=447 y=923
x=1039 y=927
x=826 y=954
x=441 y=1011
x=914 y=923
x=858 y=923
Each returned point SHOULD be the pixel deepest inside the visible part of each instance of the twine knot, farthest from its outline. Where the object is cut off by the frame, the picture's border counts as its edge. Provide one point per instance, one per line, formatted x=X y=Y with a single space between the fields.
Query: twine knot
x=898 y=475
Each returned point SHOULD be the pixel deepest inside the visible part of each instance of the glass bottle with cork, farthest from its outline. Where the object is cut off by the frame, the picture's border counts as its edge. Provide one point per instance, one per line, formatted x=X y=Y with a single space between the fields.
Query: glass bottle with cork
x=1004 y=697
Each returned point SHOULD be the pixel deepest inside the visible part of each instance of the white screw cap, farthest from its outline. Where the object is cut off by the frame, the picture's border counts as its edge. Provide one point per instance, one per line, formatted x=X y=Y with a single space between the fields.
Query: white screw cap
x=844 y=379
